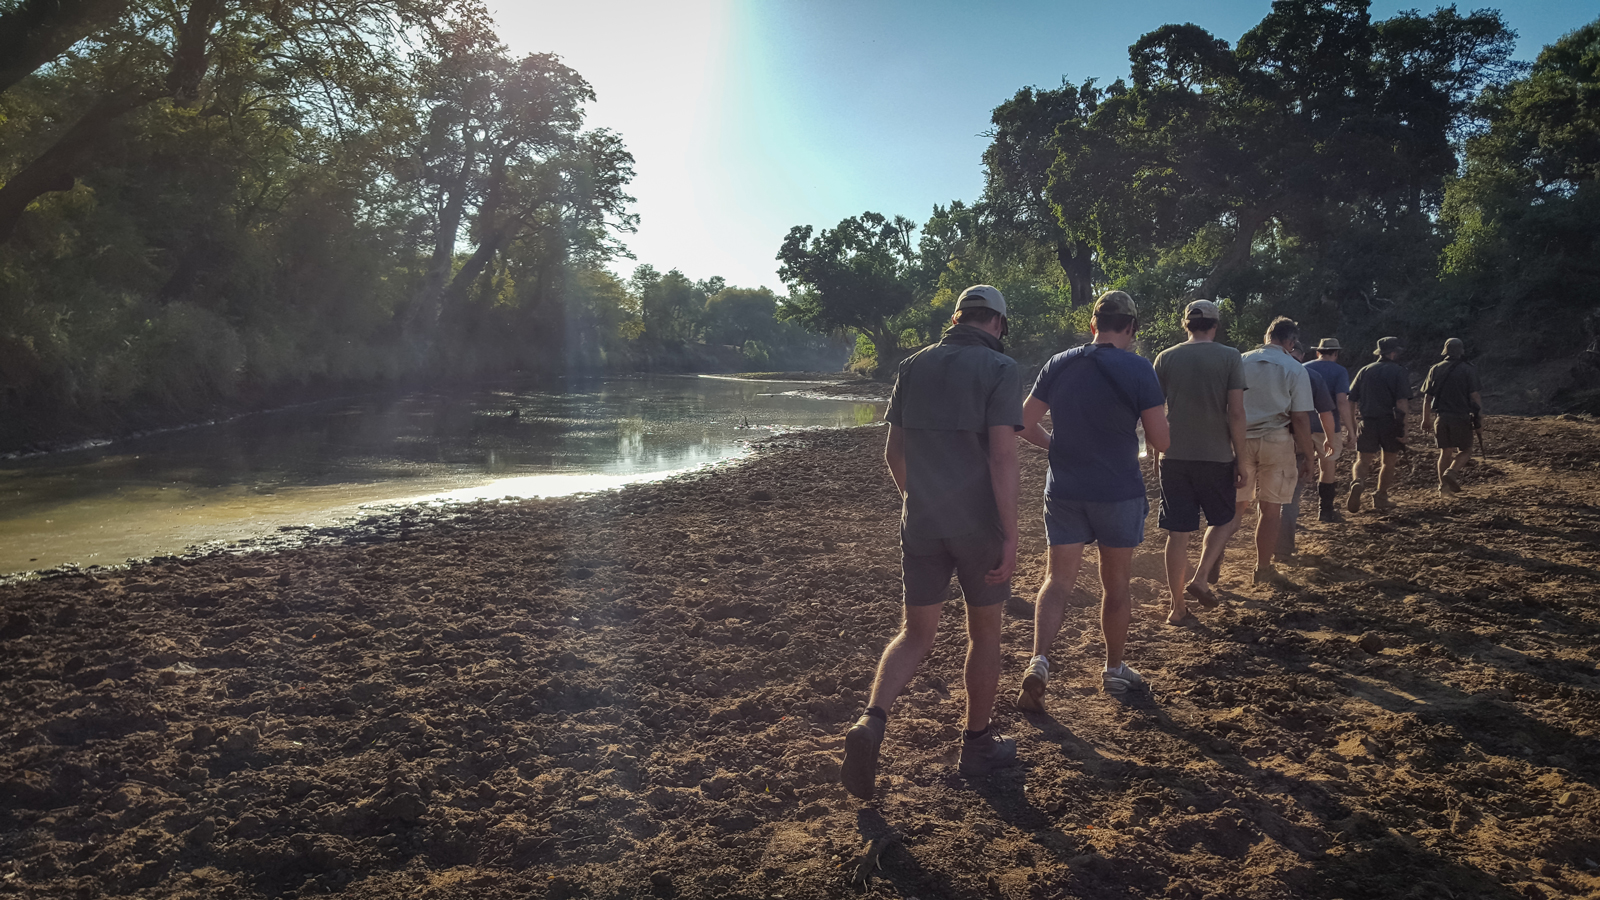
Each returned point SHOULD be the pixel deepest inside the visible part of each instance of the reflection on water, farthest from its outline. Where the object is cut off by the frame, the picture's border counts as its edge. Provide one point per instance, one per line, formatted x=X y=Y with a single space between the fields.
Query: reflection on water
x=161 y=493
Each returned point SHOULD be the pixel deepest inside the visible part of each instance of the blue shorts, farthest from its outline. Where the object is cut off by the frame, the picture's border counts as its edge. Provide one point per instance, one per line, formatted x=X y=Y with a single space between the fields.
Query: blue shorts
x=1119 y=523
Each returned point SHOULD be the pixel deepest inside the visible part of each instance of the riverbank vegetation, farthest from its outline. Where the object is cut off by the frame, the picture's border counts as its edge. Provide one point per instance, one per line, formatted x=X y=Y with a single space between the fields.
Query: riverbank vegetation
x=235 y=203
x=218 y=204
x=1367 y=177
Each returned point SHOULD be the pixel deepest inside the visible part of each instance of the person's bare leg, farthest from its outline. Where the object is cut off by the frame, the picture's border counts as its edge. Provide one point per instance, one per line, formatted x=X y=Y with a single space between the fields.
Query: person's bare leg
x=982 y=672
x=1177 y=569
x=1216 y=542
x=1060 y=575
x=1458 y=460
x=1363 y=467
x=1388 y=472
x=1445 y=458
x=901 y=658
x=1267 y=533
x=1116 y=567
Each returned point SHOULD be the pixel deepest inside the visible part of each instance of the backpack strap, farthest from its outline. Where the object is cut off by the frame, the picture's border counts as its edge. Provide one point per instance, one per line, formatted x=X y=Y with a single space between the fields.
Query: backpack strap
x=1089 y=352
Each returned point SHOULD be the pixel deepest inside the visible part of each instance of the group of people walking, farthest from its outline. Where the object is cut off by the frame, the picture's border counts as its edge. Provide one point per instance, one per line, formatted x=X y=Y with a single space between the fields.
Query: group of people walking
x=1232 y=431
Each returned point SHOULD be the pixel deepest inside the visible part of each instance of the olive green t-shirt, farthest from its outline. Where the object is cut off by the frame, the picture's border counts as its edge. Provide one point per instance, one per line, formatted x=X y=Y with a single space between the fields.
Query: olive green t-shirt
x=1196 y=379
x=946 y=397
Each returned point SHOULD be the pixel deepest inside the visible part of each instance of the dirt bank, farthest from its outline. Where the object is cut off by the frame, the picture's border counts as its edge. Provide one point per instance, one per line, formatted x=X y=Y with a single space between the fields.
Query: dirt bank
x=642 y=694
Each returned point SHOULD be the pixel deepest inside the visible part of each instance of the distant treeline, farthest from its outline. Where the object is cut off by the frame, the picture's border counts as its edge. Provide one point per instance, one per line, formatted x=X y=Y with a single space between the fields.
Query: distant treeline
x=215 y=203
x=1402 y=176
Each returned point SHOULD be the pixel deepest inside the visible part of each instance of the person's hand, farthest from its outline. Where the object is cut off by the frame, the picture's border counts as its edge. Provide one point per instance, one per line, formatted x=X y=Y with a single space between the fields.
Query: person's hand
x=1427 y=424
x=1328 y=448
x=1308 y=468
x=1008 y=562
x=1238 y=476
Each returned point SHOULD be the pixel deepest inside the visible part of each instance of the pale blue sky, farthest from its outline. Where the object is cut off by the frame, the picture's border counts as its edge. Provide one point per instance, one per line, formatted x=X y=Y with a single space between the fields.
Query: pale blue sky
x=746 y=118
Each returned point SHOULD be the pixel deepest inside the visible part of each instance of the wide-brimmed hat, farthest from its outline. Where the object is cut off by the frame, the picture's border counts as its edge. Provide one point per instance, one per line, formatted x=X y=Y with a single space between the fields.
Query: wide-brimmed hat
x=1390 y=344
x=1328 y=344
x=1115 y=303
x=982 y=296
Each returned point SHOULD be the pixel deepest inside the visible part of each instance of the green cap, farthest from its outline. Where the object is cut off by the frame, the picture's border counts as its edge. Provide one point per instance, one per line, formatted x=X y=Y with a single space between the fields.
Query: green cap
x=1116 y=303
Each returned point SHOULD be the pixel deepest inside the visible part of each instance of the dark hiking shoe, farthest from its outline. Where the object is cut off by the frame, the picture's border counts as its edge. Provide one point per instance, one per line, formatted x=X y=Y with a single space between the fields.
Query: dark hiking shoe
x=1330 y=515
x=1353 y=502
x=1449 y=485
x=1215 y=575
x=987 y=753
x=859 y=771
x=1031 y=697
x=1382 y=503
x=1271 y=576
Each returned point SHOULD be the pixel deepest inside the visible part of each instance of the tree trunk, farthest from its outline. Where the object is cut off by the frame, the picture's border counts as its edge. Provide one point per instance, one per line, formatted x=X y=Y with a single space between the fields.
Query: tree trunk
x=424 y=316
x=1077 y=263
x=886 y=346
x=37 y=31
x=1238 y=253
x=55 y=169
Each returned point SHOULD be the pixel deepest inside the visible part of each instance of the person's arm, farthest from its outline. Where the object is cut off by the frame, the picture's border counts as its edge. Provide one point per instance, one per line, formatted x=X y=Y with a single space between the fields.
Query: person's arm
x=1427 y=412
x=1033 y=410
x=1326 y=418
x=1300 y=424
x=1402 y=409
x=1477 y=409
x=894 y=453
x=1236 y=430
x=1344 y=412
x=1005 y=478
x=1157 y=433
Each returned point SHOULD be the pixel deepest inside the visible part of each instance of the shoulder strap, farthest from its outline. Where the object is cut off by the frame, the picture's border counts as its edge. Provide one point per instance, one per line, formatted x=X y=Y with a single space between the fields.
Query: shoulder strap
x=1437 y=386
x=1089 y=353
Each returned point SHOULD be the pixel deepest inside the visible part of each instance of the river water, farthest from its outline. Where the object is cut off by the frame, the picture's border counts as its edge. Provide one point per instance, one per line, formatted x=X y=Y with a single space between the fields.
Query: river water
x=312 y=465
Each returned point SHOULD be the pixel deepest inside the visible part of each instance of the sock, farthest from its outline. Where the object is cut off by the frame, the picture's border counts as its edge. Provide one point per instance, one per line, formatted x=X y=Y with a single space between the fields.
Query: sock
x=877 y=713
x=1327 y=492
x=975 y=735
x=1046 y=661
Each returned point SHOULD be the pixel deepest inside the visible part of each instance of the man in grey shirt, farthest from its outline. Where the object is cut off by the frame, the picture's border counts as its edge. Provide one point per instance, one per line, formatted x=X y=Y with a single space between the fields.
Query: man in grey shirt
x=1204 y=385
x=953 y=417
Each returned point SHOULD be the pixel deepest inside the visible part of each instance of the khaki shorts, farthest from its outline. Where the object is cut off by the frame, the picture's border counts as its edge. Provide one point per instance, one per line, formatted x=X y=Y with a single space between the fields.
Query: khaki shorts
x=1269 y=467
x=927 y=564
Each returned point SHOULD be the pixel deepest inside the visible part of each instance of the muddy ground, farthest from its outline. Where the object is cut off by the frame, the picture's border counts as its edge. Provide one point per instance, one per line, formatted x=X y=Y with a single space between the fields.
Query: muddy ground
x=642 y=694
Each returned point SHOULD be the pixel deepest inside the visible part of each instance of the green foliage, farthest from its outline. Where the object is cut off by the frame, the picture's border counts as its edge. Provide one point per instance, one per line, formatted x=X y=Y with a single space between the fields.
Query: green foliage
x=1525 y=207
x=860 y=274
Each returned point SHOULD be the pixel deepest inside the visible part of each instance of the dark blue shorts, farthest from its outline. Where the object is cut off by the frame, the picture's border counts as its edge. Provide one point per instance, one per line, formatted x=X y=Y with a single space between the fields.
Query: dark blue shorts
x=1119 y=523
x=1189 y=486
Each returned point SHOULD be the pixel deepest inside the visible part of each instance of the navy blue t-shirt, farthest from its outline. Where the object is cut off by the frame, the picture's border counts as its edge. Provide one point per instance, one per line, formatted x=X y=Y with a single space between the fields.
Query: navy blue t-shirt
x=1322 y=400
x=1094 y=454
x=1337 y=377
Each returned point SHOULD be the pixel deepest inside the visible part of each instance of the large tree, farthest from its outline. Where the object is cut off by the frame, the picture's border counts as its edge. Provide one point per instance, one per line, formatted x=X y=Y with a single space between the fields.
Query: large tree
x=1318 y=115
x=1016 y=207
x=1525 y=209
x=858 y=275
x=208 y=58
x=502 y=155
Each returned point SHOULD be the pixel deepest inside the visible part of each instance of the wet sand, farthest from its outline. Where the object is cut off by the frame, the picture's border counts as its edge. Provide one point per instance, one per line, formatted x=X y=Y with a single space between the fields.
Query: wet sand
x=643 y=694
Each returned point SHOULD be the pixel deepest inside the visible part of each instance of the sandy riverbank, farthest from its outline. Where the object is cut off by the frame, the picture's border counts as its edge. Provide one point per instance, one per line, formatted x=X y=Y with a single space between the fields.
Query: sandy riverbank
x=642 y=694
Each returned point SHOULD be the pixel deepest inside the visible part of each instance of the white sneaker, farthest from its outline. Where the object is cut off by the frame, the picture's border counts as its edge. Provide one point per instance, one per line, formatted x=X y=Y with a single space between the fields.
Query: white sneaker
x=1122 y=678
x=1031 y=697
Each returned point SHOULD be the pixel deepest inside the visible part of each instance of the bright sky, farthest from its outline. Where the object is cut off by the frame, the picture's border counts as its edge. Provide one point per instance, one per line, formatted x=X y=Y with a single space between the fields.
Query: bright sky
x=747 y=118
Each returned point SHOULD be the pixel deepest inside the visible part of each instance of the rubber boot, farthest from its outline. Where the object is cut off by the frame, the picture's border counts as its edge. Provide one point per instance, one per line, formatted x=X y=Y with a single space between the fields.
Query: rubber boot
x=1329 y=509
